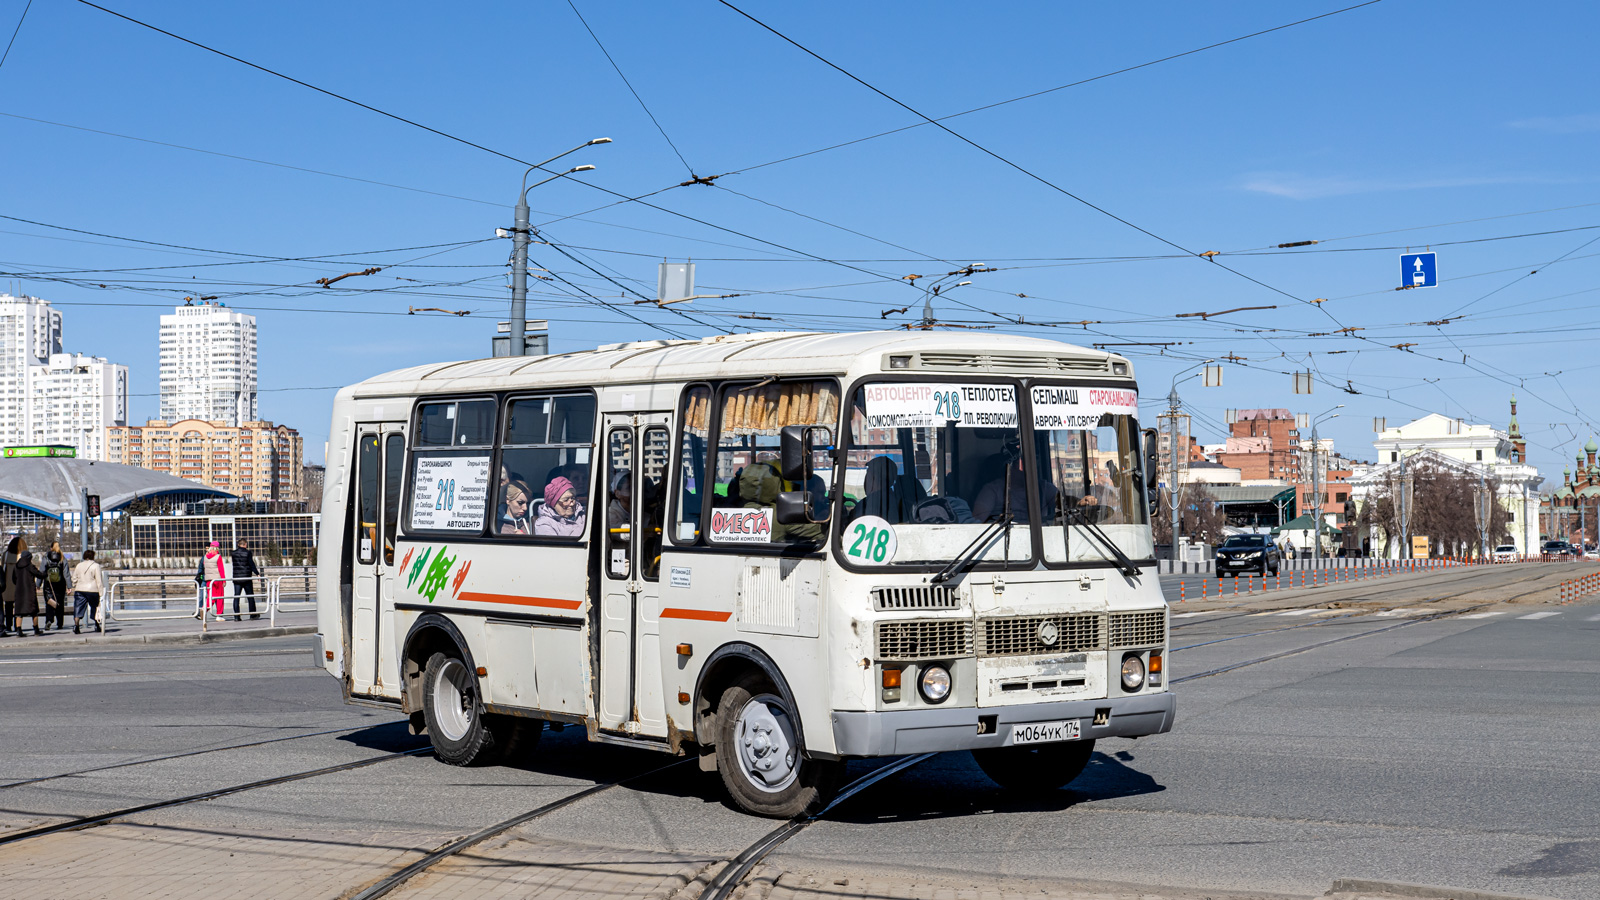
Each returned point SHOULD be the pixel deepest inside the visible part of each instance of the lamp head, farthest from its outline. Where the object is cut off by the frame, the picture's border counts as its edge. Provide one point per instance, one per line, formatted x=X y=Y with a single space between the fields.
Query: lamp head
x=598 y=141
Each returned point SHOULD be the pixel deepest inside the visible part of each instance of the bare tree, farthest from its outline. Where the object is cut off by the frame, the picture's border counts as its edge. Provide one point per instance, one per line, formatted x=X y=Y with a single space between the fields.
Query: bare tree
x=1203 y=519
x=1444 y=503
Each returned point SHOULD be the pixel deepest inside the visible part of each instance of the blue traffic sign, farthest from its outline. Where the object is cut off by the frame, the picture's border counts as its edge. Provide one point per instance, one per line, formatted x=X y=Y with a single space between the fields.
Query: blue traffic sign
x=1417 y=270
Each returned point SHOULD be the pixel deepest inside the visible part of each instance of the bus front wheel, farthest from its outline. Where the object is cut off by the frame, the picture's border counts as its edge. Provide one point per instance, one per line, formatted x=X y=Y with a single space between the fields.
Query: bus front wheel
x=1042 y=767
x=461 y=732
x=760 y=758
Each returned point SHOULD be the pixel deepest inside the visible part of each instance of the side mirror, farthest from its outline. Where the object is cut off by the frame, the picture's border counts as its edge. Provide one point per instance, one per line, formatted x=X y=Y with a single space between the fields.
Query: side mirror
x=794 y=508
x=795 y=445
x=1152 y=466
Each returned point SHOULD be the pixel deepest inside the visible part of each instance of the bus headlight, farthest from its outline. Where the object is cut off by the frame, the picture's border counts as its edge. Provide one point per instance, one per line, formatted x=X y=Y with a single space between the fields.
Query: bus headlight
x=1132 y=672
x=934 y=685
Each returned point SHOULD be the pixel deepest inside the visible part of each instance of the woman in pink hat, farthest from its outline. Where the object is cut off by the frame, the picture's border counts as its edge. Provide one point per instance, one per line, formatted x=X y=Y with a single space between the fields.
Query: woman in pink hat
x=562 y=513
x=213 y=577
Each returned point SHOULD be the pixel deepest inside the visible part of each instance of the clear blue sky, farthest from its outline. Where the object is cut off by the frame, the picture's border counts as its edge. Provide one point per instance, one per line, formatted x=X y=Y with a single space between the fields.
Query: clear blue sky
x=1399 y=115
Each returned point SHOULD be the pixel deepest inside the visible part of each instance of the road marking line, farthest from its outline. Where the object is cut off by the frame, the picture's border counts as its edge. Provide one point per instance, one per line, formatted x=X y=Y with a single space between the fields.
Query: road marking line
x=1301 y=612
x=1539 y=615
x=1193 y=614
x=1413 y=611
x=1593 y=619
x=1483 y=615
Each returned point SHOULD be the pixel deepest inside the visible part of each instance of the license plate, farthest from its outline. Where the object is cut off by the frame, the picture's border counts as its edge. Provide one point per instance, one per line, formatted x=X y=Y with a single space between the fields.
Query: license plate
x=1044 y=732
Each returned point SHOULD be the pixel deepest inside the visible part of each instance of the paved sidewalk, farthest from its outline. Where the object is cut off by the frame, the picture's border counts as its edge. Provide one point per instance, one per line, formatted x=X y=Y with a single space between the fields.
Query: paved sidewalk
x=180 y=630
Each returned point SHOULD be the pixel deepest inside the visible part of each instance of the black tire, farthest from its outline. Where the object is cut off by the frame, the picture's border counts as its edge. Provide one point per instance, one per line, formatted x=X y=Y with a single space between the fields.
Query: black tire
x=453 y=708
x=799 y=785
x=1042 y=767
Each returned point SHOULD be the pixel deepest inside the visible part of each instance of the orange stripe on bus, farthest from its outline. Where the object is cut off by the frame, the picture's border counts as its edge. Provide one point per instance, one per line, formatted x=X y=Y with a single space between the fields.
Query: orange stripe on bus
x=547 y=602
x=705 y=615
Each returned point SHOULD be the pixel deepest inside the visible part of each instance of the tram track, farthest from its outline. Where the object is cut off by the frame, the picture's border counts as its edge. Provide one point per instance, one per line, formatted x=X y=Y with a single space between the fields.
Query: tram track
x=81 y=822
x=1210 y=619
x=188 y=753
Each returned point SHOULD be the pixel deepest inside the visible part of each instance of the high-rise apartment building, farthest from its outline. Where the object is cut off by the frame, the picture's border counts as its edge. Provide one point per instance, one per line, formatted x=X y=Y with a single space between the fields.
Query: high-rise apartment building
x=72 y=399
x=30 y=331
x=208 y=364
x=255 y=460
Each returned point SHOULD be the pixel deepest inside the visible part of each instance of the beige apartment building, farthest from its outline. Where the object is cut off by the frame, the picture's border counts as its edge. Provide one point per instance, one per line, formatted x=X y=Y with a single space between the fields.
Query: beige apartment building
x=255 y=460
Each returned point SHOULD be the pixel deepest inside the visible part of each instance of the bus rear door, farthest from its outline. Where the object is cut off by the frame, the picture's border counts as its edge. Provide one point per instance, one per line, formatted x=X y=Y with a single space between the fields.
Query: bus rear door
x=633 y=494
x=380 y=475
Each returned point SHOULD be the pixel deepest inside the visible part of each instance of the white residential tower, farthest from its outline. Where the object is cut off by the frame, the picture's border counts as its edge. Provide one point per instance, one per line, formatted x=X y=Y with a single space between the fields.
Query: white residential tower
x=208 y=364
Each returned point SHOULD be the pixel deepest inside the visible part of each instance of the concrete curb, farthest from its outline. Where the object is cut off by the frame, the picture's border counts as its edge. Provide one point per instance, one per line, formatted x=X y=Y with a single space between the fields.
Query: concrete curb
x=1419 y=891
x=169 y=637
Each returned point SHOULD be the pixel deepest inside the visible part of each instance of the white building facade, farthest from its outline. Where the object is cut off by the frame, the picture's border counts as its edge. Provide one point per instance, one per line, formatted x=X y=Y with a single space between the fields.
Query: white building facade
x=1474 y=449
x=72 y=399
x=208 y=364
x=30 y=332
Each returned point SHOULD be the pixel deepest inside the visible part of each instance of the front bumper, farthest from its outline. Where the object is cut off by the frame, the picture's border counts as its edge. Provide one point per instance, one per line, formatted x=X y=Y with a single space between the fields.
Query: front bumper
x=932 y=730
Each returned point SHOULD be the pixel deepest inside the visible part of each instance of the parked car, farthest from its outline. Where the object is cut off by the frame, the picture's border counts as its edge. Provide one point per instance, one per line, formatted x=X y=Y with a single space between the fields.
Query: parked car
x=1247 y=552
x=1556 y=548
x=1505 y=553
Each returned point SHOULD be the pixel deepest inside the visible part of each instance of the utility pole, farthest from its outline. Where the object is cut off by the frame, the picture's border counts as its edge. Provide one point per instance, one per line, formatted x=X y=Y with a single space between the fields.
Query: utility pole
x=1403 y=502
x=1173 y=499
x=520 y=233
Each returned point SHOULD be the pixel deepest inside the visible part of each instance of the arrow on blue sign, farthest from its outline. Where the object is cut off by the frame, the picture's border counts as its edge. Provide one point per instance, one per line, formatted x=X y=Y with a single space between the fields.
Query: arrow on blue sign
x=1418 y=270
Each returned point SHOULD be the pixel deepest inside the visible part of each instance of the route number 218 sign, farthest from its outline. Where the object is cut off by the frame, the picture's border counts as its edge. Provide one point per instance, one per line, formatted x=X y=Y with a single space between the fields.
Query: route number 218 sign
x=870 y=540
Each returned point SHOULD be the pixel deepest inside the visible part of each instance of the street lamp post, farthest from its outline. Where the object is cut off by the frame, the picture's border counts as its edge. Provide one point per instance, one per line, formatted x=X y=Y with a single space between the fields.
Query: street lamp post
x=1316 y=491
x=1173 y=500
x=519 y=243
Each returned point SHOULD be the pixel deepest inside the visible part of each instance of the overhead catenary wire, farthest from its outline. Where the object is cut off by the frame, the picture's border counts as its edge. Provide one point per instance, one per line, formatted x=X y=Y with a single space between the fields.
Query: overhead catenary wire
x=642 y=105
x=14 y=32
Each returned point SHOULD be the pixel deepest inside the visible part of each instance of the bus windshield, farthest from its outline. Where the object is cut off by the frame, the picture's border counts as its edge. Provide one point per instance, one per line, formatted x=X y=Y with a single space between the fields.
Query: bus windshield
x=940 y=465
x=1086 y=444
x=932 y=464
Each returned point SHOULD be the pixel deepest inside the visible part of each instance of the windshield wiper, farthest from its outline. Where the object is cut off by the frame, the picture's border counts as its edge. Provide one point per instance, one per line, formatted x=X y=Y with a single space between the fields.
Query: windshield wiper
x=954 y=566
x=1124 y=564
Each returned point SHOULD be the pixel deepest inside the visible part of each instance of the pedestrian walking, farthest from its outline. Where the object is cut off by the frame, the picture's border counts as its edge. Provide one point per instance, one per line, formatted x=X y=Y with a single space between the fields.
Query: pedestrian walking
x=245 y=571
x=87 y=583
x=212 y=577
x=8 y=606
x=25 y=578
x=56 y=583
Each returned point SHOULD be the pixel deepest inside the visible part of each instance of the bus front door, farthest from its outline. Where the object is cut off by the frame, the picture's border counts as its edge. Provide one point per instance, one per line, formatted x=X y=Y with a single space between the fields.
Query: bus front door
x=380 y=473
x=633 y=496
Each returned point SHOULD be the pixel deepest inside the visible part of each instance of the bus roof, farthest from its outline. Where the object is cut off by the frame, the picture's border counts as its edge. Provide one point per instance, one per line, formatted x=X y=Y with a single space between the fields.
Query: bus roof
x=738 y=355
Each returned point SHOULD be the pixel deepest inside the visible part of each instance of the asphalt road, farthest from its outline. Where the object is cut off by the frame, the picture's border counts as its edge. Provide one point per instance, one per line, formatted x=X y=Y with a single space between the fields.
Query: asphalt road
x=1452 y=751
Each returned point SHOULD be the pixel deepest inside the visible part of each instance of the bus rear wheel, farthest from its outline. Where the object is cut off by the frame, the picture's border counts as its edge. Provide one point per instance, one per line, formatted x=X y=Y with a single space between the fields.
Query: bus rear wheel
x=759 y=757
x=1042 y=767
x=461 y=732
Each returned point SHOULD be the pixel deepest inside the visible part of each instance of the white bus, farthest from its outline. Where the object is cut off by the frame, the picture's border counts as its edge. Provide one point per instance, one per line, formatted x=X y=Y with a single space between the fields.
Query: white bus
x=775 y=551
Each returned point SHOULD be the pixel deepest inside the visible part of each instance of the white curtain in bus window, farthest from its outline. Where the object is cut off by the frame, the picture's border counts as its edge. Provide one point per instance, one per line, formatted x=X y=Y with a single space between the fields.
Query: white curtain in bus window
x=747 y=478
x=450 y=466
x=544 y=467
x=1087 y=444
x=694 y=423
x=941 y=465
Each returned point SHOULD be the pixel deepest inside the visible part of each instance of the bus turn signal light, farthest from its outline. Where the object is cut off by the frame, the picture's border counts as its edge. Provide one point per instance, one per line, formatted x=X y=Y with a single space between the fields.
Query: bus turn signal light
x=482 y=671
x=683 y=697
x=328 y=654
x=685 y=649
x=891 y=678
x=1155 y=664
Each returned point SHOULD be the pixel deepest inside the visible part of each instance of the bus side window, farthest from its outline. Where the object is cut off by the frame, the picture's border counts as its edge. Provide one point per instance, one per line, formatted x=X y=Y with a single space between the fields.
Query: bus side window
x=368 y=491
x=544 y=477
x=746 y=469
x=654 y=456
x=694 y=422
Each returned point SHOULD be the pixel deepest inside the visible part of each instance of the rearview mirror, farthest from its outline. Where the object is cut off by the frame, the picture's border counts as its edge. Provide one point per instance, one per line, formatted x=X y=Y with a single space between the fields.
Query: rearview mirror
x=1152 y=467
x=795 y=446
x=794 y=508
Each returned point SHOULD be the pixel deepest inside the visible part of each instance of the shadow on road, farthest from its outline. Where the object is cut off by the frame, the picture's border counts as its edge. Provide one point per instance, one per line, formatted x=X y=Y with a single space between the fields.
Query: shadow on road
x=390 y=736
x=952 y=785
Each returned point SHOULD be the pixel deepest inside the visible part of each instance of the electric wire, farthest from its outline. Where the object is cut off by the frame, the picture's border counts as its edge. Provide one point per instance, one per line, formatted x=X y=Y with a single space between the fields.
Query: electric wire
x=642 y=105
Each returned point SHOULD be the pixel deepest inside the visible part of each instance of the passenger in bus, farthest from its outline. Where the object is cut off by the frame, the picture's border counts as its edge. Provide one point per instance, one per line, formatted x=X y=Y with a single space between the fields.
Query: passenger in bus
x=619 y=512
x=562 y=513
x=885 y=495
x=759 y=485
x=515 y=519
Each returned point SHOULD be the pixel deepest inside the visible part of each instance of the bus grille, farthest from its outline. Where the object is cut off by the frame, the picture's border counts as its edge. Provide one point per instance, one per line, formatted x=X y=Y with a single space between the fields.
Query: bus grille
x=1019 y=635
x=924 y=640
x=1009 y=362
x=1139 y=629
x=915 y=598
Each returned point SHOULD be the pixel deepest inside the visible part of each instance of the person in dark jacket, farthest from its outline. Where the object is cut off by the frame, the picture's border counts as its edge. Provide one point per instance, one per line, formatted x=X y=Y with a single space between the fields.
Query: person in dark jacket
x=245 y=571
x=56 y=582
x=25 y=577
x=8 y=612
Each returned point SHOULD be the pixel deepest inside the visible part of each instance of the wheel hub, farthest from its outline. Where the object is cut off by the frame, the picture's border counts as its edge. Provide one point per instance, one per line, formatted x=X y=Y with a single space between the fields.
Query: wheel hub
x=767 y=749
x=453 y=707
